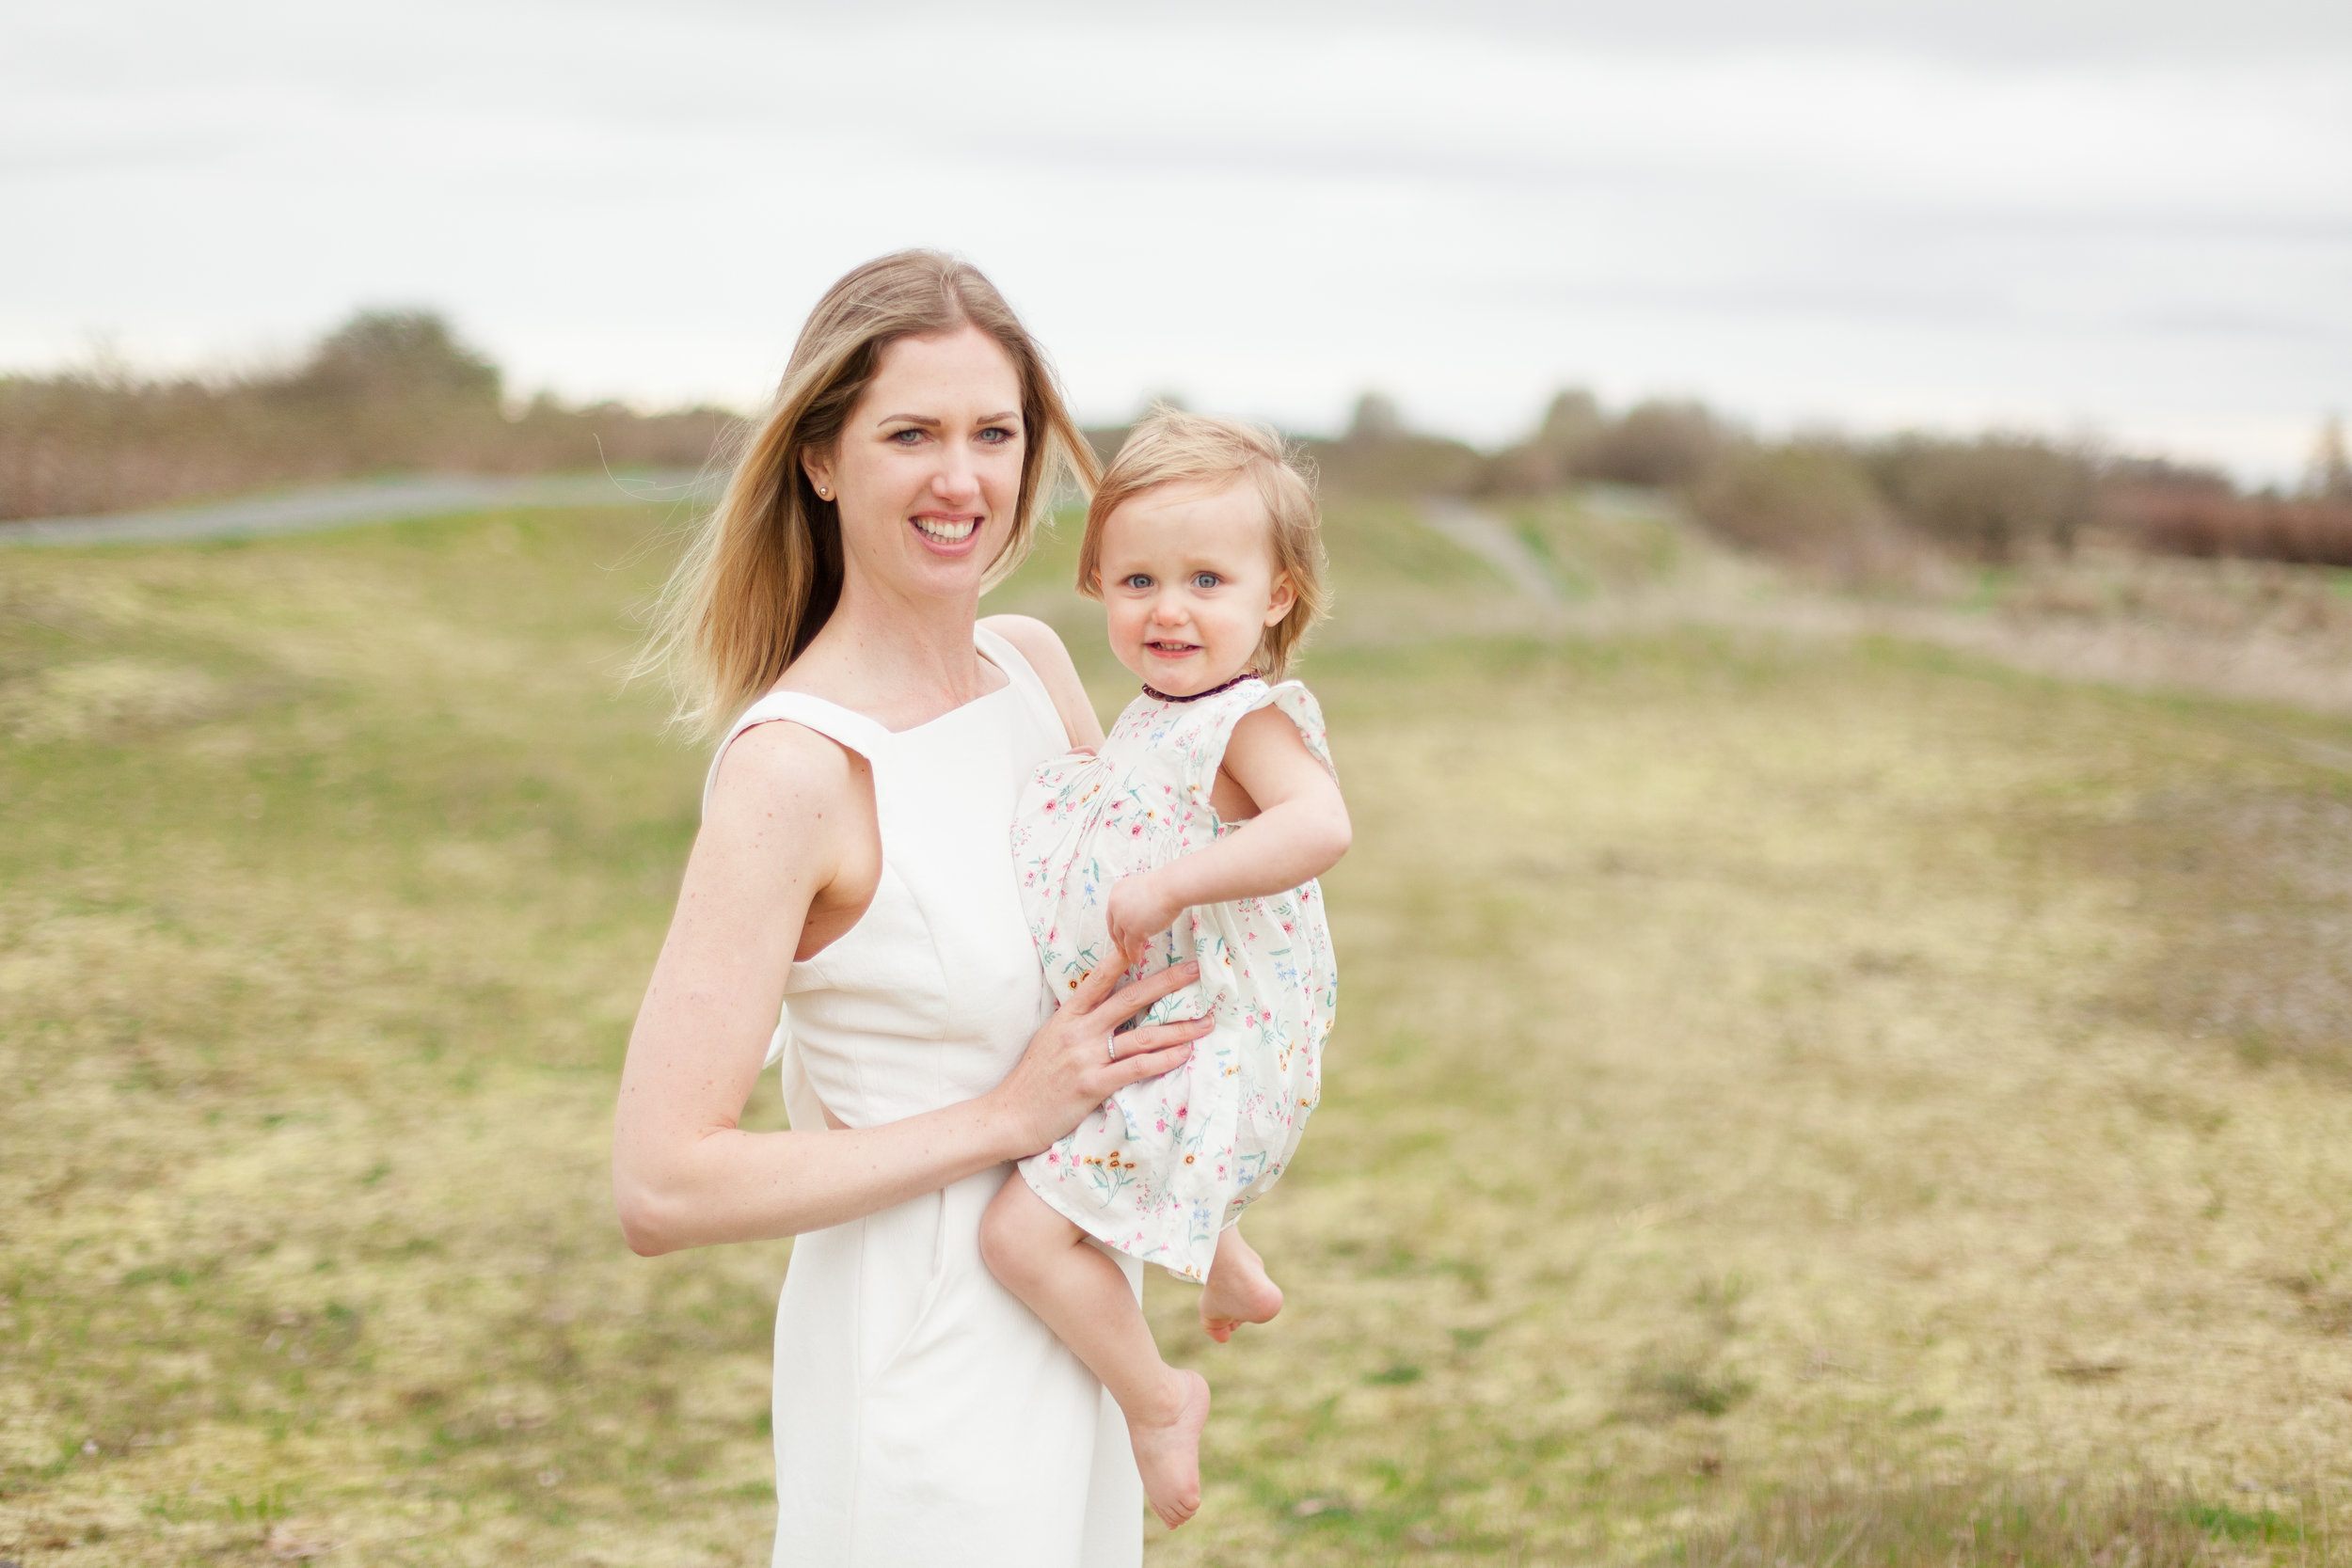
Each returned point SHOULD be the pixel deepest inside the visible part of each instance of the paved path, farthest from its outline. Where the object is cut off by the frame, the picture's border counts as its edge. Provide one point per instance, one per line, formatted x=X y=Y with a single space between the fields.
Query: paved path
x=1490 y=538
x=366 y=501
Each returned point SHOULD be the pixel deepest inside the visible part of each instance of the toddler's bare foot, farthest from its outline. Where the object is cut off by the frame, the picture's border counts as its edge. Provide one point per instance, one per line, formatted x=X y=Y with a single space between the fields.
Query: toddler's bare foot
x=1238 y=1290
x=1169 y=1454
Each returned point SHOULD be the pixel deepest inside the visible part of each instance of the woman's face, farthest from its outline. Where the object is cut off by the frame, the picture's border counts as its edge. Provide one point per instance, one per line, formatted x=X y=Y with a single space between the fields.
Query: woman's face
x=927 y=473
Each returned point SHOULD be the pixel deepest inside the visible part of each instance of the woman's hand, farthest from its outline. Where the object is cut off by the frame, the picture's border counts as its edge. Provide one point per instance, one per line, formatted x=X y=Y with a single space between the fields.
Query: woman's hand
x=1078 y=1059
x=1140 y=907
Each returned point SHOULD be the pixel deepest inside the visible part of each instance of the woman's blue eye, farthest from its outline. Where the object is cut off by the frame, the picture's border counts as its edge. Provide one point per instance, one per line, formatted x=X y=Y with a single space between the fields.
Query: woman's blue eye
x=906 y=438
x=995 y=435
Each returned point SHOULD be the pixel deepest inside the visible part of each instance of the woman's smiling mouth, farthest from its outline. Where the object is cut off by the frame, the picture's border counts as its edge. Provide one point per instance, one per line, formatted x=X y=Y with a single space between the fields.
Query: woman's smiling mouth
x=945 y=531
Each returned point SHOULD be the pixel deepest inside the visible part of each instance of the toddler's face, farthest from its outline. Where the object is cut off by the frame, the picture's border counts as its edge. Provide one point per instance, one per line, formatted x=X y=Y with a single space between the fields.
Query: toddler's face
x=1188 y=579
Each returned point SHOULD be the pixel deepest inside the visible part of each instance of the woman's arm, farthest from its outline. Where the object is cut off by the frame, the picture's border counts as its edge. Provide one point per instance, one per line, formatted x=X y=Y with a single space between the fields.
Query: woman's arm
x=1042 y=647
x=1301 y=831
x=684 y=1172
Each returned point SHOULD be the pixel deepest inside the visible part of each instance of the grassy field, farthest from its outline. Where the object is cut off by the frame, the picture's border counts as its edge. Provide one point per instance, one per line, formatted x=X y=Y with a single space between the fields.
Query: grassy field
x=1796 y=1099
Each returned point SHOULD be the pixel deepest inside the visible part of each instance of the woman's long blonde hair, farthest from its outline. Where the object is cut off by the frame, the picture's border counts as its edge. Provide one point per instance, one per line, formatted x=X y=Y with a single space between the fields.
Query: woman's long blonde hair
x=763 y=573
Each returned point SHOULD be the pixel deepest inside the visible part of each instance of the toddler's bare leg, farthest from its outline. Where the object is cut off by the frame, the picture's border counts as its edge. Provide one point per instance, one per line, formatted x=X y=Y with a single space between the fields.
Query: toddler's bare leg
x=1085 y=1299
x=1238 y=1290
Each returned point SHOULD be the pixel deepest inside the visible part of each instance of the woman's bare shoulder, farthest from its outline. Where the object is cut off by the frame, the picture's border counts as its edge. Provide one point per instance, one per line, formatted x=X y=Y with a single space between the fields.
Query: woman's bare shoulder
x=1040 y=644
x=1042 y=647
x=783 y=769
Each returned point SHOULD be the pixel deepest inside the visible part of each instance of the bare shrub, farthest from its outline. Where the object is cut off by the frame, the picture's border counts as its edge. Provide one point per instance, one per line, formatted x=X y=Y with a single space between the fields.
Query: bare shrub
x=1994 y=498
x=1561 y=446
x=2214 y=522
x=2331 y=474
x=1812 y=502
x=1656 y=443
x=1380 y=456
x=387 y=392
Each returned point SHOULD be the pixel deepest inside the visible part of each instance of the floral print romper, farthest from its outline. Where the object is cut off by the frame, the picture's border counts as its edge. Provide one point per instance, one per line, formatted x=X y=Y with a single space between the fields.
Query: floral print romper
x=1158 y=1170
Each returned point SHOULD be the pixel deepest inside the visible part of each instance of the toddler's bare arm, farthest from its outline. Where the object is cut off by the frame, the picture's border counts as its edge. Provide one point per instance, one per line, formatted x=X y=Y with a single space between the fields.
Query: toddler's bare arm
x=1300 y=832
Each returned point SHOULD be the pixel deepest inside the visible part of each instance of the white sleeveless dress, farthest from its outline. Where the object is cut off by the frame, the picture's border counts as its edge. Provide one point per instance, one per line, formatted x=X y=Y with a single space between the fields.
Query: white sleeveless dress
x=923 y=1415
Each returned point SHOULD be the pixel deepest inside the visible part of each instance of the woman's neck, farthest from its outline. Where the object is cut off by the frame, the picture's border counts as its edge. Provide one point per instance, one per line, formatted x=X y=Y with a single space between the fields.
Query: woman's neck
x=901 y=659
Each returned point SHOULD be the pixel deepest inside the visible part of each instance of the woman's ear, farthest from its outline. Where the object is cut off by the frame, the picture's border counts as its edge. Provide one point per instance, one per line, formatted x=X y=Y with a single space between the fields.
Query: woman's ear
x=819 y=466
x=1285 y=595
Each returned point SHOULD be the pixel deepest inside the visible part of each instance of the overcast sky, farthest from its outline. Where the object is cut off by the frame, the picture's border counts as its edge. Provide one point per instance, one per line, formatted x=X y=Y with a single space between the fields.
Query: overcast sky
x=2132 y=220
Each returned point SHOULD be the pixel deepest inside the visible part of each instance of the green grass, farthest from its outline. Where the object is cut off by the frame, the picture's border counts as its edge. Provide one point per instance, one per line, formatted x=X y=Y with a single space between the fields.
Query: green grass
x=1794 y=1101
x=1591 y=546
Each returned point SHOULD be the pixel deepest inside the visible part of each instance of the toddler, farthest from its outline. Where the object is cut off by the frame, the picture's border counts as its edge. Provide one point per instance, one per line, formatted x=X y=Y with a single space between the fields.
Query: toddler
x=1197 y=831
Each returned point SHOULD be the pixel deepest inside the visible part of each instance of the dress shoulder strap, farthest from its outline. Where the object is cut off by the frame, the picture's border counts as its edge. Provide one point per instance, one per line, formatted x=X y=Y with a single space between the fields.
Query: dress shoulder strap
x=1039 y=702
x=848 y=728
x=1204 y=733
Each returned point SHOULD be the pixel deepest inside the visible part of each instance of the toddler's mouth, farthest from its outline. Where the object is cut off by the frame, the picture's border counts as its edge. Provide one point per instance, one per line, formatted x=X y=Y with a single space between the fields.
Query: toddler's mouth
x=1174 y=650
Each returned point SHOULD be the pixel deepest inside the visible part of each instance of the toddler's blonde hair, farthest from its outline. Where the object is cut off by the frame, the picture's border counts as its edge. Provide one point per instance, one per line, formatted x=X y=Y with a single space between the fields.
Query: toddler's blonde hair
x=1173 y=446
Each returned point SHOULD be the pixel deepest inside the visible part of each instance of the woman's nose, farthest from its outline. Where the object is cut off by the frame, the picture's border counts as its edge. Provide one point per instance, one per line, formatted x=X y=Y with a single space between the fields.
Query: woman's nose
x=956 y=480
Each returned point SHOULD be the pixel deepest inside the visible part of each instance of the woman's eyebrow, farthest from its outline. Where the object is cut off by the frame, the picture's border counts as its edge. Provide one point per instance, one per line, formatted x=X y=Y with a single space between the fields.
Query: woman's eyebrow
x=926 y=422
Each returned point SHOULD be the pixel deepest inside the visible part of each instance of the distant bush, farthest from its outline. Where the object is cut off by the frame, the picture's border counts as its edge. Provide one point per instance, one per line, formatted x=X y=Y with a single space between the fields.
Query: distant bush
x=1657 y=443
x=402 y=358
x=2175 y=519
x=1833 y=503
x=1993 y=499
x=388 y=390
x=1660 y=444
x=1555 y=456
x=1813 y=502
x=1407 y=466
x=1379 y=456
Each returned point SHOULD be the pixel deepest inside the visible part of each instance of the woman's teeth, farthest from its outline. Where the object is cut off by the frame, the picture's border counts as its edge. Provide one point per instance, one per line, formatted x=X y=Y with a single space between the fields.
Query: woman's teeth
x=947 y=530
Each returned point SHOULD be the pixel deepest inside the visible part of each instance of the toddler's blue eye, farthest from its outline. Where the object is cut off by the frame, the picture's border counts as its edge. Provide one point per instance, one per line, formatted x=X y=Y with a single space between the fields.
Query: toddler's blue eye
x=1205 y=580
x=1136 y=580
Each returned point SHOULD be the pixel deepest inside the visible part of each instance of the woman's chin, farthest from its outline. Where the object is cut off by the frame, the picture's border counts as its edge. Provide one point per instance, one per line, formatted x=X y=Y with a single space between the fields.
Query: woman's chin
x=927 y=569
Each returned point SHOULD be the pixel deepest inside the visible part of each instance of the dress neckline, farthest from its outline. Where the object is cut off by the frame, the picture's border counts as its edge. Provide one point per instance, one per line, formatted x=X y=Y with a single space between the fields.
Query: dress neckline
x=912 y=729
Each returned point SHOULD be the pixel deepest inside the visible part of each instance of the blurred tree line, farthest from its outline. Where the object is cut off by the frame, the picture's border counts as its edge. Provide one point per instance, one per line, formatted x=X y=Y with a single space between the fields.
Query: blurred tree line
x=398 y=390
x=387 y=392
x=1860 y=508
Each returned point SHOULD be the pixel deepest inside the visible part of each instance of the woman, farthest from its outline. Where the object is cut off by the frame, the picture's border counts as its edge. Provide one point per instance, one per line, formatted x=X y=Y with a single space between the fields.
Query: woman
x=853 y=871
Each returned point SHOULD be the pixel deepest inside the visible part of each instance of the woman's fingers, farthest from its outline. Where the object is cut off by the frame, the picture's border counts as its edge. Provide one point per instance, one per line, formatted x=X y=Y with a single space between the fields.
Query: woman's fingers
x=1162 y=1036
x=1134 y=1068
x=1129 y=1000
x=1094 y=985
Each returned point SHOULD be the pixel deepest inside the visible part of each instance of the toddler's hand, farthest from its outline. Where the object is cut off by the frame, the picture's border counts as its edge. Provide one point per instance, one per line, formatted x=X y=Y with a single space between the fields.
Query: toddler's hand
x=1139 y=911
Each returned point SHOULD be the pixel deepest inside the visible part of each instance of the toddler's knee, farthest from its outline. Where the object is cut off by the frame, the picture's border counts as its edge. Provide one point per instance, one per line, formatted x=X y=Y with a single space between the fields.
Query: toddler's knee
x=1001 y=1232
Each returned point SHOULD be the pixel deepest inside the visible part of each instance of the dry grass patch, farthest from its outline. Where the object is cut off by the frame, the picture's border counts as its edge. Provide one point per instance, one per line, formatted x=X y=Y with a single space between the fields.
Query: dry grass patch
x=1778 y=1101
